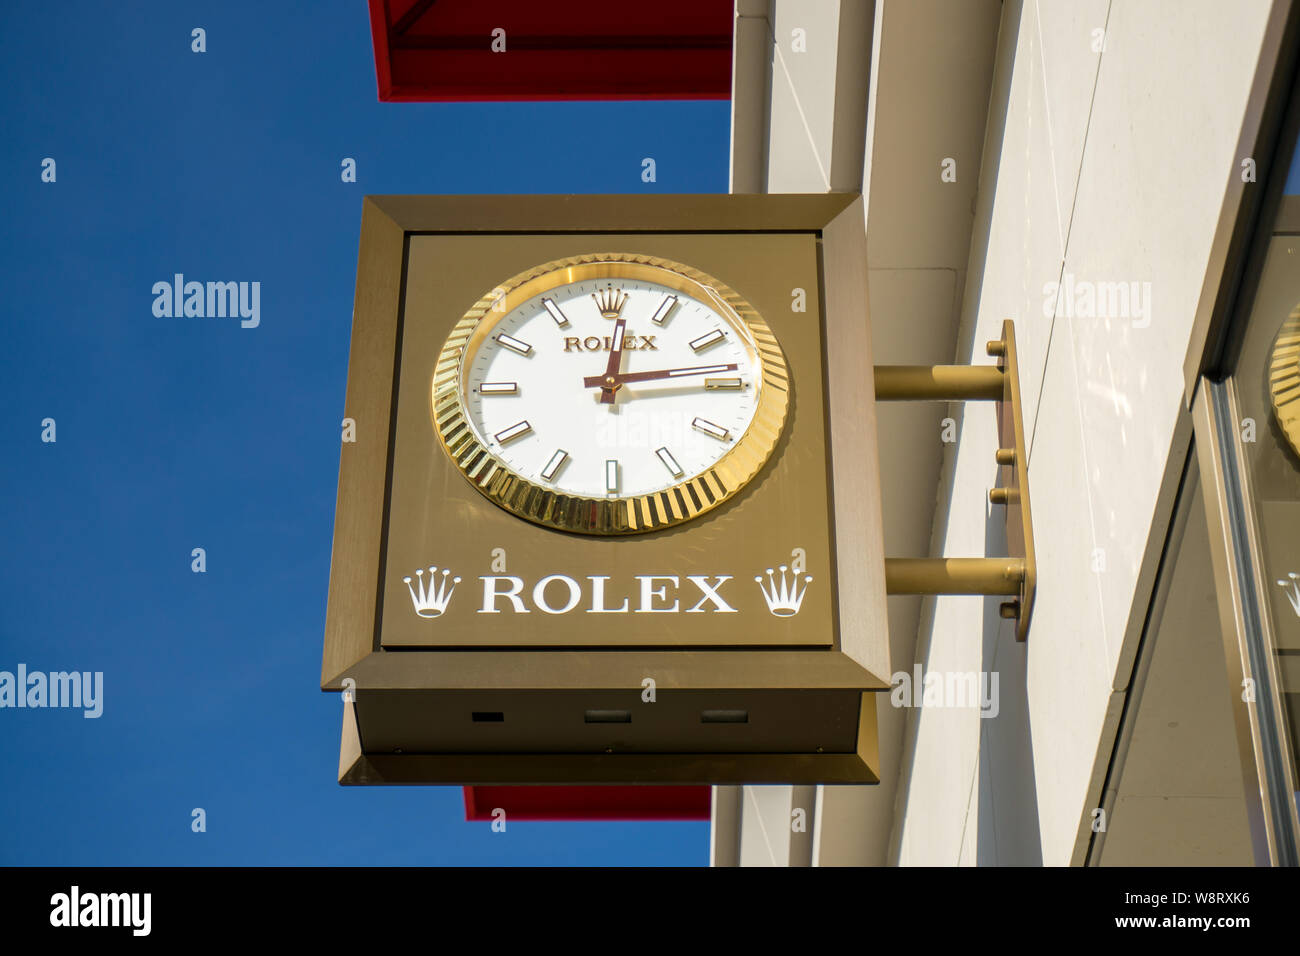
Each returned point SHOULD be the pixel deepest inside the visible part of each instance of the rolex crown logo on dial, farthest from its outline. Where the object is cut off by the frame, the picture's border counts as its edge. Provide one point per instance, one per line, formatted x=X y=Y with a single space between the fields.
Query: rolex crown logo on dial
x=610 y=394
x=610 y=302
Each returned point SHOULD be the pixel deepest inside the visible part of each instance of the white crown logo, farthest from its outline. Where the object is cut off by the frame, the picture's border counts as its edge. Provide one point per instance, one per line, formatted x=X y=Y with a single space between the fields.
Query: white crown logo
x=1292 y=588
x=431 y=602
x=784 y=597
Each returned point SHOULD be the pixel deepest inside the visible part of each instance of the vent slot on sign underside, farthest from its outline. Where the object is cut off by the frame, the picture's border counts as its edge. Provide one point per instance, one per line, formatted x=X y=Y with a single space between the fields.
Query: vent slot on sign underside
x=488 y=716
x=724 y=717
x=608 y=716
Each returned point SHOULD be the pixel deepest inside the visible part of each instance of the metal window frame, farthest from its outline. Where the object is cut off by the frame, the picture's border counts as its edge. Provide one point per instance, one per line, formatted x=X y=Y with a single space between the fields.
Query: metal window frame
x=1263 y=737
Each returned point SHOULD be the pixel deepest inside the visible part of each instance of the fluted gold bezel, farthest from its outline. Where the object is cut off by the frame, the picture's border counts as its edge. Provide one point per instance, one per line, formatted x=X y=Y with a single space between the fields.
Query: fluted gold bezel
x=1284 y=379
x=608 y=515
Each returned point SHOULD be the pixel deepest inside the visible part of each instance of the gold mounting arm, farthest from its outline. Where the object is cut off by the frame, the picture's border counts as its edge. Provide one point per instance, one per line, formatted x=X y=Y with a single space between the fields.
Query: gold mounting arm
x=954 y=575
x=1014 y=575
x=944 y=383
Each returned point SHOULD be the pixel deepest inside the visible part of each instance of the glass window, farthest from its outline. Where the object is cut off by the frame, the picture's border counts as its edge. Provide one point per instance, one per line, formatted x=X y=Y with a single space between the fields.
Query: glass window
x=1265 y=369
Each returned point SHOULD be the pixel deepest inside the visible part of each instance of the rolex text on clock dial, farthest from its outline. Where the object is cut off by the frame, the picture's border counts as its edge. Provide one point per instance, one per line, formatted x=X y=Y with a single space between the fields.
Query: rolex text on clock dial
x=610 y=394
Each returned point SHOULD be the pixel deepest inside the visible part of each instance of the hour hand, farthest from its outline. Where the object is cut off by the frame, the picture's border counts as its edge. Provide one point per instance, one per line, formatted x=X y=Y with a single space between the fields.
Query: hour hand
x=609 y=385
x=610 y=303
x=614 y=380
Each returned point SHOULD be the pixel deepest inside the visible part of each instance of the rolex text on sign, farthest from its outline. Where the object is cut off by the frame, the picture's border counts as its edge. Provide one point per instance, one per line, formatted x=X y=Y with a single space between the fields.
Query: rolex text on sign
x=782 y=591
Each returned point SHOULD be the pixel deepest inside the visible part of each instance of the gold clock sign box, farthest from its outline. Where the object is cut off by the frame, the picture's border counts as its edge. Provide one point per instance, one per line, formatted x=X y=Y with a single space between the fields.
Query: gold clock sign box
x=611 y=513
x=693 y=584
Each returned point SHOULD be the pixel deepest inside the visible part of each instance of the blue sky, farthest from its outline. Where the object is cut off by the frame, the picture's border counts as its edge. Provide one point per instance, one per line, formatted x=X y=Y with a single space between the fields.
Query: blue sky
x=174 y=434
x=1293 y=176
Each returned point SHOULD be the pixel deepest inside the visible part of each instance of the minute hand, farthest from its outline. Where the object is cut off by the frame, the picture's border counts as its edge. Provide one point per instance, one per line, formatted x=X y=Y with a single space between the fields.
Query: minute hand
x=594 y=381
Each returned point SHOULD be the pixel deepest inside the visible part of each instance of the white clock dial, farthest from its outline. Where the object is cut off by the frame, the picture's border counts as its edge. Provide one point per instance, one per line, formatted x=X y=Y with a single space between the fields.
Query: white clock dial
x=538 y=393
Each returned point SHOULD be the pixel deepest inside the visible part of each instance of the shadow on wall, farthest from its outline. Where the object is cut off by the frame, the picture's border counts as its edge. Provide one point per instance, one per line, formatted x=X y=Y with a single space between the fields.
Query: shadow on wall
x=1007 y=804
x=1007 y=807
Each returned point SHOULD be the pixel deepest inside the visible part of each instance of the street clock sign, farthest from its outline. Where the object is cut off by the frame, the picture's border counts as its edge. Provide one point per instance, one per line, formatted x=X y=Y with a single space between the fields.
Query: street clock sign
x=608 y=498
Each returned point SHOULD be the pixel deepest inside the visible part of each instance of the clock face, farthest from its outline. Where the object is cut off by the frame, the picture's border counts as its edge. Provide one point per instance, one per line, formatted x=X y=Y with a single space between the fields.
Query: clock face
x=610 y=394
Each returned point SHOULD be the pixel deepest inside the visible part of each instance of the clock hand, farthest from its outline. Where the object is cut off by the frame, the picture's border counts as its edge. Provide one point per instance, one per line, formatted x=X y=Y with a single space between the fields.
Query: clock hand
x=609 y=387
x=606 y=381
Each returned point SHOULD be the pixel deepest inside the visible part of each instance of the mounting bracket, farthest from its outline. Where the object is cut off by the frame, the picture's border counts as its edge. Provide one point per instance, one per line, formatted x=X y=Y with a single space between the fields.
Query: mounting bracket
x=1014 y=575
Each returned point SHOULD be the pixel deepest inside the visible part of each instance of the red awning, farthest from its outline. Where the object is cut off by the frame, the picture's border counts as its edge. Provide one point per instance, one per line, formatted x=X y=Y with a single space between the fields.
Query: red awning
x=442 y=50
x=589 y=803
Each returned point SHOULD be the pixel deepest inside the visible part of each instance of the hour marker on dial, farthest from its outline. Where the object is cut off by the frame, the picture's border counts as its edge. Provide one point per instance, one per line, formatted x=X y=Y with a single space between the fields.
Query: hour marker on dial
x=512 y=343
x=560 y=318
x=670 y=462
x=709 y=338
x=706 y=426
x=611 y=476
x=553 y=466
x=661 y=311
x=514 y=431
x=728 y=384
x=500 y=388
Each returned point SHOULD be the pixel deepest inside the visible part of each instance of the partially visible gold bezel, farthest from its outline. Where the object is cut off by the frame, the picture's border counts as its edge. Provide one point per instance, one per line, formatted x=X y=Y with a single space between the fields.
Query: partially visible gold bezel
x=614 y=515
x=1284 y=379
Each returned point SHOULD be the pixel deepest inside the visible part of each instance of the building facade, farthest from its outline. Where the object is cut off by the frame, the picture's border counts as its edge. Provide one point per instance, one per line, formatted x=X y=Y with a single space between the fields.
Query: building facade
x=1118 y=177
